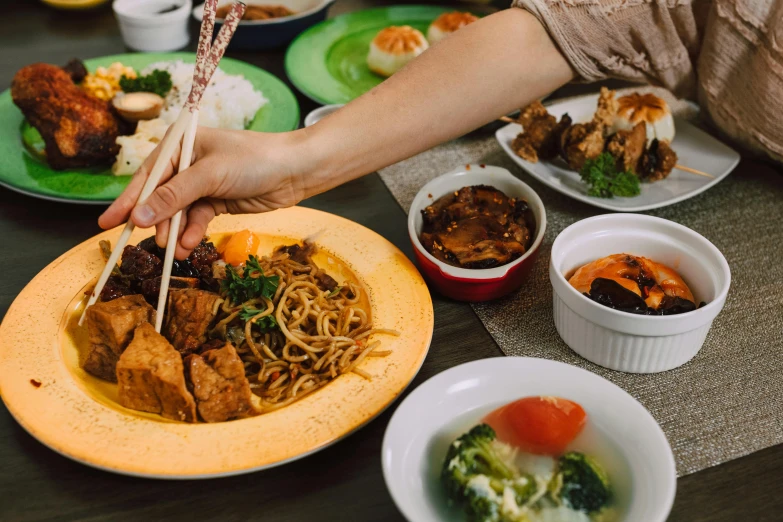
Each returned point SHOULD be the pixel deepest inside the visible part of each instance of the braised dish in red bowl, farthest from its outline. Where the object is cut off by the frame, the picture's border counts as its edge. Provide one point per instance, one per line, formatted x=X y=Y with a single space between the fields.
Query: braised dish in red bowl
x=477 y=227
x=476 y=232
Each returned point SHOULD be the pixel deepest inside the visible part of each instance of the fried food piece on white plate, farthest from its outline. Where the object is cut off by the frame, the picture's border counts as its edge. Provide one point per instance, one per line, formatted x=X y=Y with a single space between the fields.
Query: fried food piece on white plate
x=540 y=136
x=584 y=141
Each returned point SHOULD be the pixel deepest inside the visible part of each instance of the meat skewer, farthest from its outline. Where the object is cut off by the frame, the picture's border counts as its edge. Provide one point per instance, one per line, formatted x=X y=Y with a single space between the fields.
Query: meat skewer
x=581 y=137
x=172 y=139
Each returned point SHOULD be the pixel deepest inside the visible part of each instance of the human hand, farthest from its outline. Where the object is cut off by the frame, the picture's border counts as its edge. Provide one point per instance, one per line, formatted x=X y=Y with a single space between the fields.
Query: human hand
x=232 y=172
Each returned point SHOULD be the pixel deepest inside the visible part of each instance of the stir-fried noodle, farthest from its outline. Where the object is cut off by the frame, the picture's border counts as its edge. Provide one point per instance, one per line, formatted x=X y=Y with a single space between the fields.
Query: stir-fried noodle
x=319 y=334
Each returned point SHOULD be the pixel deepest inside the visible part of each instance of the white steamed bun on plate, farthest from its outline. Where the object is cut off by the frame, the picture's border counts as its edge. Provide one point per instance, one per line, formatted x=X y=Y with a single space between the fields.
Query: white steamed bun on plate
x=447 y=23
x=647 y=108
x=393 y=47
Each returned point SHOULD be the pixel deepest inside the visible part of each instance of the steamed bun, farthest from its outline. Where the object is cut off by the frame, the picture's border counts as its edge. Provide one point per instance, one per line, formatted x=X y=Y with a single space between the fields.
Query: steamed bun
x=447 y=23
x=393 y=47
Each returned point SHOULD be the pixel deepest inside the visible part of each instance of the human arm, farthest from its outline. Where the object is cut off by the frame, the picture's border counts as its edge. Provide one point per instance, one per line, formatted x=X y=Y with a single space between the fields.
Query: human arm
x=485 y=70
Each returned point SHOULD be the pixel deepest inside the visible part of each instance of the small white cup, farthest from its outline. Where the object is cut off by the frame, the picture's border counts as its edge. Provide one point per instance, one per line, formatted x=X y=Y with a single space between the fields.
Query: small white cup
x=144 y=28
x=321 y=112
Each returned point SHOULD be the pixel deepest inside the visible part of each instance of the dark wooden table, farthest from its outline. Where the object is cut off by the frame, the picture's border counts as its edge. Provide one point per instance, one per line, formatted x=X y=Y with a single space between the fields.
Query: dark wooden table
x=340 y=483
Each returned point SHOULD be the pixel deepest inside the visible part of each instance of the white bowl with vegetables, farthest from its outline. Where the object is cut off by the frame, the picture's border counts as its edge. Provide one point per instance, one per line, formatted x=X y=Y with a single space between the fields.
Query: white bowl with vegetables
x=569 y=446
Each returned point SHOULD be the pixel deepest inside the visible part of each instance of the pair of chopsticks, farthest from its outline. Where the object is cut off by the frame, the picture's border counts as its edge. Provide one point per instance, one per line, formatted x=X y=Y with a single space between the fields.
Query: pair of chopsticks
x=508 y=119
x=208 y=56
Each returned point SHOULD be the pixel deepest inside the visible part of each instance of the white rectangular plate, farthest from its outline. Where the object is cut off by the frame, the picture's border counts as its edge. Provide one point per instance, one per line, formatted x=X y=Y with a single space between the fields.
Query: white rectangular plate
x=694 y=147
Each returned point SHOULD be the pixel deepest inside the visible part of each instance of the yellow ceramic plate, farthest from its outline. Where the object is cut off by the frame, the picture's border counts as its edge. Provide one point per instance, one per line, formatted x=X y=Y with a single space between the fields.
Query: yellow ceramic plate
x=75 y=415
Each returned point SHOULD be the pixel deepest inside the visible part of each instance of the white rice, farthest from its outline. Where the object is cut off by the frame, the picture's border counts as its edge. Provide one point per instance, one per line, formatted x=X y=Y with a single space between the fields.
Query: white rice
x=229 y=102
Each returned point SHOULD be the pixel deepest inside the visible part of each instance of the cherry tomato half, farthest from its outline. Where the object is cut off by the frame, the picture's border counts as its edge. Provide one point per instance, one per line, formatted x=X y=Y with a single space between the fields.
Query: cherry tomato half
x=541 y=425
x=242 y=245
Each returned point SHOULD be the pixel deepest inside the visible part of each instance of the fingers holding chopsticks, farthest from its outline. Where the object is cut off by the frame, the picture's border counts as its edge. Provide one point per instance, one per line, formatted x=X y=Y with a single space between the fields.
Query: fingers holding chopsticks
x=174 y=195
x=192 y=228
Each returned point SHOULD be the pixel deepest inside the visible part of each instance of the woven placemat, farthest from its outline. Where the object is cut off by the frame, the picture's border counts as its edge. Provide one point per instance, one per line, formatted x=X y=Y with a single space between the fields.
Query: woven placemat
x=728 y=401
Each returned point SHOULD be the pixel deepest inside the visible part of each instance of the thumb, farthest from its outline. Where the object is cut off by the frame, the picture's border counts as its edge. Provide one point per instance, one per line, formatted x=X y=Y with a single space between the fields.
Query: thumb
x=168 y=199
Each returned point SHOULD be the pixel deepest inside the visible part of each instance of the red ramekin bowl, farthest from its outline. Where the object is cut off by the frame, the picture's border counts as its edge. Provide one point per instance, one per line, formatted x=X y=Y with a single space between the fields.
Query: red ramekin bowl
x=466 y=284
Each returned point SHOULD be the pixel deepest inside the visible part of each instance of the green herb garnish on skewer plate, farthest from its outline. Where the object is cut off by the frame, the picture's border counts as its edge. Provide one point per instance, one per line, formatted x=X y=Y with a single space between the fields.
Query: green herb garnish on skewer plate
x=605 y=181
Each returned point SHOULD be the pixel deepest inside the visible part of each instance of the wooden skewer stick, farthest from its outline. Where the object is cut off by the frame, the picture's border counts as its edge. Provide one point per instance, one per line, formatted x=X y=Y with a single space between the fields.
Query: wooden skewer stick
x=694 y=171
x=185 y=158
x=507 y=119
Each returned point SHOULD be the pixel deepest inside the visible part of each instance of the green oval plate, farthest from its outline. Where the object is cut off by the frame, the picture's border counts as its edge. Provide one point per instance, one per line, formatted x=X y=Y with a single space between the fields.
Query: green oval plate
x=22 y=171
x=328 y=62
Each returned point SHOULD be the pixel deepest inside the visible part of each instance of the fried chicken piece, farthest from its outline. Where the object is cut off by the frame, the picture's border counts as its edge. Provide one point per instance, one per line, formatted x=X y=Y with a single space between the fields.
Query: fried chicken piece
x=79 y=131
x=658 y=162
x=585 y=141
x=627 y=147
x=541 y=132
x=581 y=142
x=534 y=111
x=524 y=148
x=607 y=108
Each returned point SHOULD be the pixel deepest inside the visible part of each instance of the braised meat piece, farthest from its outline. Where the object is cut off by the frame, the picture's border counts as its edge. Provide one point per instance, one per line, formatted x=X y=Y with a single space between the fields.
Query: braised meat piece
x=325 y=281
x=150 y=288
x=151 y=377
x=477 y=227
x=627 y=147
x=198 y=263
x=298 y=253
x=115 y=287
x=478 y=200
x=203 y=256
x=78 y=130
x=139 y=264
x=478 y=242
x=218 y=382
x=190 y=313
x=110 y=327
x=658 y=162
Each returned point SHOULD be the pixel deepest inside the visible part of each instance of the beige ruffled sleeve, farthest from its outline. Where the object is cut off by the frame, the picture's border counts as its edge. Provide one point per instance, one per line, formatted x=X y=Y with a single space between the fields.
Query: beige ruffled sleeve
x=636 y=40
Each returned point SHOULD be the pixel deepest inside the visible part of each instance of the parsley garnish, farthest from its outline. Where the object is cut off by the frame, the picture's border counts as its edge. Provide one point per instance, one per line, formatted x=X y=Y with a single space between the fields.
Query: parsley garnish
x=252 y=284
x=265 y=323
x=157 y=81
x=601 y=176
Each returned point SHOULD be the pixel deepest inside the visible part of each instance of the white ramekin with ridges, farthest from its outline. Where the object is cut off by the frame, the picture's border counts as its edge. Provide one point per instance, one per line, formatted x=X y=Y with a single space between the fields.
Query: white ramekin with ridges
x=624 y=341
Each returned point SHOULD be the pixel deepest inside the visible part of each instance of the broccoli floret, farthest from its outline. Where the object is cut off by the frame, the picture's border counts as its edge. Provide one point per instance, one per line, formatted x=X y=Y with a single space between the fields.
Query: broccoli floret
x=524 y=488
x=470 y=455
x=481 y=502
x=581 y=483
x=476 y=475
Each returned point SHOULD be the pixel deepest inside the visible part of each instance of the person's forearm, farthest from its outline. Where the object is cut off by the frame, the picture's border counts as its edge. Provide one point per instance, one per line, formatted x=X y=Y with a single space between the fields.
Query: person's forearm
x=485 y=70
